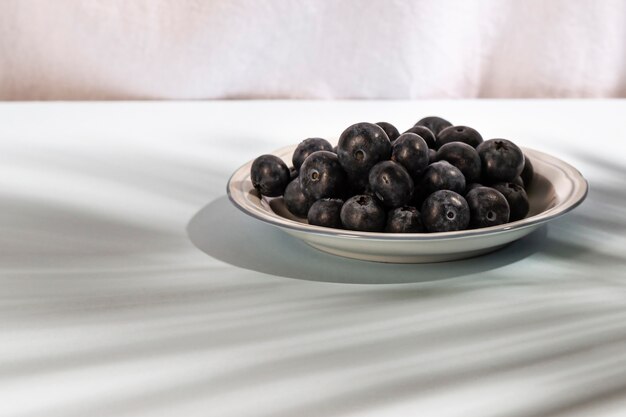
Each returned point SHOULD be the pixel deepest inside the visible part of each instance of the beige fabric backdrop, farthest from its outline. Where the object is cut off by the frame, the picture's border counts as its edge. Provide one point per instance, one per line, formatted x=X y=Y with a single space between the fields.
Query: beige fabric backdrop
x=94 y=49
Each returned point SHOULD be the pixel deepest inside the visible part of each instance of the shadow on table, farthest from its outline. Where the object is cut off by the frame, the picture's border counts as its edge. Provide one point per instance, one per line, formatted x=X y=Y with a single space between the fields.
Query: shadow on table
x=224 y=233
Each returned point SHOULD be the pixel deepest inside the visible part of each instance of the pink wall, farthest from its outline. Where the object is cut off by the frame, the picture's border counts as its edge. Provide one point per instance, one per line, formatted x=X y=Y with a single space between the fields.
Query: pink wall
x=179 y=49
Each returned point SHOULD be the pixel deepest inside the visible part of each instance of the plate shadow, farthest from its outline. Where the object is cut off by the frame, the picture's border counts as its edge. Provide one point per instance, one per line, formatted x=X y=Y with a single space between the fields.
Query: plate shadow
x=223 y=232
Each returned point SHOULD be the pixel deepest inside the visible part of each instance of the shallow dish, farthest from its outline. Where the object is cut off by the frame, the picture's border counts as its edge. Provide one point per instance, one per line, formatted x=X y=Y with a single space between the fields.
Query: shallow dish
x=556 y=189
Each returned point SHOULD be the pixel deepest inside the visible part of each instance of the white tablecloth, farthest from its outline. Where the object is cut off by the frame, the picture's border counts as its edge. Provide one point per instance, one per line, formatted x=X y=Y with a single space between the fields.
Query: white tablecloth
x=107 y=308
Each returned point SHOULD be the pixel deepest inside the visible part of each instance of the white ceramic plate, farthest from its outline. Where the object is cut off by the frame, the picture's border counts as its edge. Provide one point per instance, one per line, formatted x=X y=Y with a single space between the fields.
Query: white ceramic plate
x=556 y=189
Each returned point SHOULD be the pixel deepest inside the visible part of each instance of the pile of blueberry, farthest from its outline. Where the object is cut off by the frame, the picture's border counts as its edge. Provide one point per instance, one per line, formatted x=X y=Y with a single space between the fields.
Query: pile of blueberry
x=435 y=177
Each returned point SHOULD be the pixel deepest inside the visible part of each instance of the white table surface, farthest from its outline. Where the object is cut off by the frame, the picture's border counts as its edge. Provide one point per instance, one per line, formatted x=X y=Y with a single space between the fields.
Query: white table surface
x=107 y=308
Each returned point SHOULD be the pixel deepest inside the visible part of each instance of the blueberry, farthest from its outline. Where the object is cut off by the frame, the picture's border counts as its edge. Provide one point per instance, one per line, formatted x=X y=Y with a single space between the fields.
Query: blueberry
x=442 y=176
x=357 y=184
x=321 y=176
x=528 y=172
x=390 y=130
x=425 y=134
x=411 y=151
x=463 y=134
x=519 y=181
x=404 y=220
x=269 y=175
x=295 y=200
x=489 y=182
x=307 y=147
x=363 y=212
x=432 y=155
x=502 y=160
x=293 y=173
x=326 y=212
x=462 y=156
x=419 y=195
x=516 y=197
x=361 y=146
x=391 y=183
x=471 y=186
x=434 y=123
x=488 y=207
x=445 y=211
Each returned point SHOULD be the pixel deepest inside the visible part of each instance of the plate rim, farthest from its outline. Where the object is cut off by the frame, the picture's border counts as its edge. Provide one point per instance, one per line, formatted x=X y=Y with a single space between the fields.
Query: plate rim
x=578 y=195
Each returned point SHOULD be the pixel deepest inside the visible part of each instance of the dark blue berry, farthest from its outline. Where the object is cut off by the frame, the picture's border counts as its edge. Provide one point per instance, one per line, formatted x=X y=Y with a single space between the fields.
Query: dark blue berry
x=404 y=220
x=489 y=182
x=326 y=212
x=391 y=183
x=364 y=213
x=445 y=211
x=518 y=180
x=501 y=159
x=295 y=200
x=426 y=134
x=471 y=186
x=442 y=176
x=528 y=172
x=462 y=156
x=463 y=134
x=361 y=146
x=434 y=123
x=307 y=147
x=411 y=151
x=516 y=197
x=488 y=207
x=390 y=130
x=269 y=175
x=357 y=184
x=321 y=176
x=432 y=156
x=293 y=173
